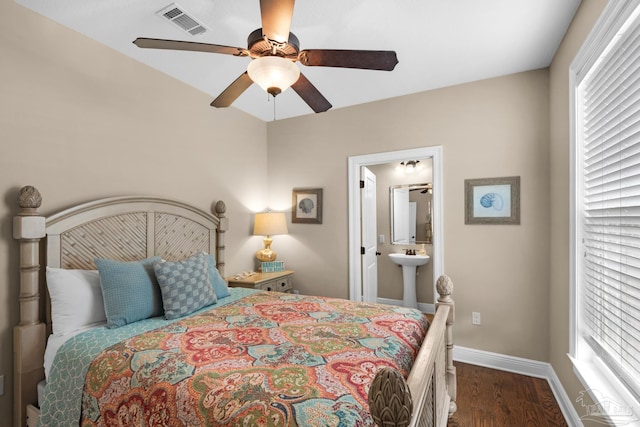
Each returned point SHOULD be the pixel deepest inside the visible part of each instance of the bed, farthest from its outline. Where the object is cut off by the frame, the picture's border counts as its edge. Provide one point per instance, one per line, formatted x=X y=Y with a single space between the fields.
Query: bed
x=368 y=364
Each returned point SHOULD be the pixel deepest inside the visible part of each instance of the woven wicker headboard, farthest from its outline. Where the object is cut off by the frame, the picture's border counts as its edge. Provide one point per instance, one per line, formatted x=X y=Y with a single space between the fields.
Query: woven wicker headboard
x=121 y=228
x=131 y=228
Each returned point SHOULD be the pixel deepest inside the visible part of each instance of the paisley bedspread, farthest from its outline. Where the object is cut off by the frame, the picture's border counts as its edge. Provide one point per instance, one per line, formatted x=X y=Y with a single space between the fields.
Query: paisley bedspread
x=268 y=359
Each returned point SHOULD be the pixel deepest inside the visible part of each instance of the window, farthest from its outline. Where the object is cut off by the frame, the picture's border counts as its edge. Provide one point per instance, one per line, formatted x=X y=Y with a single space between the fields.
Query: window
x=606 y=205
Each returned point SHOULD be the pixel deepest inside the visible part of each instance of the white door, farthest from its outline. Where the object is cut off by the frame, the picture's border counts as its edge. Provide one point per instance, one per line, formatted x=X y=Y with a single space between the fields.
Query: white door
x=369 y=231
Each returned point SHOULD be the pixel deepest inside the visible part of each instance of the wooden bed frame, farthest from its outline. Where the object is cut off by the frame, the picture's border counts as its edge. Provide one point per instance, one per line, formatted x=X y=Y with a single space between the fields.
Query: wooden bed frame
x=130 y=228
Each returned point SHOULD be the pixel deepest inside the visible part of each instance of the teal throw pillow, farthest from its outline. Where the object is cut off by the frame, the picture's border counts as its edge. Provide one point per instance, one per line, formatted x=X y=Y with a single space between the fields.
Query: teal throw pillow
x=129 y=290
x=185 y=285
x=219 y=284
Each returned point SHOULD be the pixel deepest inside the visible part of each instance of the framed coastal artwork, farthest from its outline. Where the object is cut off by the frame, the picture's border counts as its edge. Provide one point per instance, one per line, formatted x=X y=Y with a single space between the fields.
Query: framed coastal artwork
x=492 y=200
x=307 y=206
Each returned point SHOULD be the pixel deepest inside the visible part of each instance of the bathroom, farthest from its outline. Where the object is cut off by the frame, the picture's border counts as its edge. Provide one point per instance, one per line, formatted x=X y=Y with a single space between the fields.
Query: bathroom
x=416 y=174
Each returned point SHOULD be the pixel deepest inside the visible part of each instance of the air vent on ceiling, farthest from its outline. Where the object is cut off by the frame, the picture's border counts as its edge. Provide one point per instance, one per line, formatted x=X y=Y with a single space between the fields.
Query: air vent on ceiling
x=178 y=16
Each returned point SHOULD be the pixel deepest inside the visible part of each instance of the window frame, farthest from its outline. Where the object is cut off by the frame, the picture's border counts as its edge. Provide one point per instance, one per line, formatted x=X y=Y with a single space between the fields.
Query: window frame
x=589 y=368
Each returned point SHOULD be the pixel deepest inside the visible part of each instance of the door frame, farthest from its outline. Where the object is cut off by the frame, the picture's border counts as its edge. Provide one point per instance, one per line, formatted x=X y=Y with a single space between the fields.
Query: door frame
x=353 y=177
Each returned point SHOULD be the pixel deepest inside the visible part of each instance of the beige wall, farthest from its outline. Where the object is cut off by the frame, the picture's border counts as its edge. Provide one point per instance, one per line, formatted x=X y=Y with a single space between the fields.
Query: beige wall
x=80 y=121
x=584 y=20
x=497 y=127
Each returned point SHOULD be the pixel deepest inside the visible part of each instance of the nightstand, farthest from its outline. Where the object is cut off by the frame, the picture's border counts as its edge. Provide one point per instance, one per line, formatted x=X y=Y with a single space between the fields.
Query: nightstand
x=280 y=281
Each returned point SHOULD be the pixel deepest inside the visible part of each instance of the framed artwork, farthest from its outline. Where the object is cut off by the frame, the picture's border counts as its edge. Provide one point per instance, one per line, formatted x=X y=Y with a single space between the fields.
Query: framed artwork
x=492 y=200
x=307 y=206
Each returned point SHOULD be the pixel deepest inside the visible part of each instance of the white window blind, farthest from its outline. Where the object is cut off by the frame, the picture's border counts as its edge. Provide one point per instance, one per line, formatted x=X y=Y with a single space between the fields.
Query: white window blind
x=608 y=123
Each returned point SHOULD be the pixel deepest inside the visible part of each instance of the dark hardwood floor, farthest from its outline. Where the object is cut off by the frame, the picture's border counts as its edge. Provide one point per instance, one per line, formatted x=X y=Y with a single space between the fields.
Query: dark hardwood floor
x=492 y=398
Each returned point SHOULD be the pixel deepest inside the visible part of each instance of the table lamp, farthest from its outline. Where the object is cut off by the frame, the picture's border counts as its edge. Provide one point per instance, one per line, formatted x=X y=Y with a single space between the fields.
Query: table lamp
x=268 y=224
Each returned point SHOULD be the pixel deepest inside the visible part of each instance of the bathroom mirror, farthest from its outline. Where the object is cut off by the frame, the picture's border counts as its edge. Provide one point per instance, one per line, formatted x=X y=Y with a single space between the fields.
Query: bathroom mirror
x=411 y=214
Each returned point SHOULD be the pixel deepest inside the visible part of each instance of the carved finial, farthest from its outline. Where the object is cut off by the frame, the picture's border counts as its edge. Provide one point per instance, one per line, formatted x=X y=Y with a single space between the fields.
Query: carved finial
x=390 y=401
x=29 y=198
x=444 y=286
x=220 y=208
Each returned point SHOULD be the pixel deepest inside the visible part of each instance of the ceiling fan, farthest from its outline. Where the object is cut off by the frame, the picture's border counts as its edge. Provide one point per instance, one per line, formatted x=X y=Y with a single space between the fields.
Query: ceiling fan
x=274 y=51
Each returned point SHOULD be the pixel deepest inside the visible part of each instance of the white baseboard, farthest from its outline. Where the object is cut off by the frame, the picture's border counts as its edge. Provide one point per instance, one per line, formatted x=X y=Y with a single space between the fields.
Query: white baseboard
x=522 y=366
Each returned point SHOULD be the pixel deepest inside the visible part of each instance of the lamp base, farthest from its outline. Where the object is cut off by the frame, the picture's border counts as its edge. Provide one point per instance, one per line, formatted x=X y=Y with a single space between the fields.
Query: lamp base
x=266 y=254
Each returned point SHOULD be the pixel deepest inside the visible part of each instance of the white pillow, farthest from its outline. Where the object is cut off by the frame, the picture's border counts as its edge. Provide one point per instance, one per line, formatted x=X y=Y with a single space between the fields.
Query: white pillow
x=76 y=299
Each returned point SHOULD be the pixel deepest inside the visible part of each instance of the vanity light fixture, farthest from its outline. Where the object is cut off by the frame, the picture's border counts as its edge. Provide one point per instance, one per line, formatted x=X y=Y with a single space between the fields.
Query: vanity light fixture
x=410 y=166
x=268 y=224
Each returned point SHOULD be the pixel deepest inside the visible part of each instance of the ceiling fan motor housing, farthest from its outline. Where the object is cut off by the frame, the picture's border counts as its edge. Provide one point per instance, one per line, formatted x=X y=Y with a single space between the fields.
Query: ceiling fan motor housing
x=258 y=46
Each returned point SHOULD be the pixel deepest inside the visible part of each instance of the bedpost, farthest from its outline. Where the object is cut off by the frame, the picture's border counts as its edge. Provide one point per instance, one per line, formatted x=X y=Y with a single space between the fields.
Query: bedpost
x=220 y=210
x=444 y=286
x=29 y=336
x=390 y=402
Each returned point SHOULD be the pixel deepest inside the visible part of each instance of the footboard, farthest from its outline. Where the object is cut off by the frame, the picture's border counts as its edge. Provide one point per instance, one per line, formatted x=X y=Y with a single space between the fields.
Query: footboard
x=427 y=397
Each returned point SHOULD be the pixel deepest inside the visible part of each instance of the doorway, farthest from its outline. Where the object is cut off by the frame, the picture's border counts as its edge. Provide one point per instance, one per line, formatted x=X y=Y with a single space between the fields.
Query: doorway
x=355 y=163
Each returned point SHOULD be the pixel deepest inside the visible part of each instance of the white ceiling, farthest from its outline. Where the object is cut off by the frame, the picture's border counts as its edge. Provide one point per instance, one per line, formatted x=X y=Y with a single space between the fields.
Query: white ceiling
x=438 y=42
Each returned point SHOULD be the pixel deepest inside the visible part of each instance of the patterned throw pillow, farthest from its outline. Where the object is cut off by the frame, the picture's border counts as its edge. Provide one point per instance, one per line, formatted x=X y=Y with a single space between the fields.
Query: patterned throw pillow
x=185 y=285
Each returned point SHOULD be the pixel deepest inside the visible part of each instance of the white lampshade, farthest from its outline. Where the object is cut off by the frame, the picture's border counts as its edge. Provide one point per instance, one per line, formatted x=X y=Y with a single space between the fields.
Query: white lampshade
x=273 y=73
x=270 y=223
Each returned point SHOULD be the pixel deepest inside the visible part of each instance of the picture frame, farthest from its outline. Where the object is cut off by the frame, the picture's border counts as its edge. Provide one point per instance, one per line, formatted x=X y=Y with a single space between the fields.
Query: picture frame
x=306 y=206
x=492 y=200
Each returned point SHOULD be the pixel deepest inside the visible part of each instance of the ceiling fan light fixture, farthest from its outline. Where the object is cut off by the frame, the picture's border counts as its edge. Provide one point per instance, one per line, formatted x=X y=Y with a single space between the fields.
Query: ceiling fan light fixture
x=274 y=74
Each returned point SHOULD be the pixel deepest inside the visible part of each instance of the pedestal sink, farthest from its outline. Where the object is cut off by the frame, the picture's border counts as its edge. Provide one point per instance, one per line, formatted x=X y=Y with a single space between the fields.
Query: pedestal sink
x=409 y=265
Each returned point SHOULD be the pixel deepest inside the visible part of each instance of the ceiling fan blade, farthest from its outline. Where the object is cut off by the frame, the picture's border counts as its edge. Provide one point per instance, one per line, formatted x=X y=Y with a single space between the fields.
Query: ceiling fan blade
x=190 y=46
x=276 y=19
x=311 y=95
x=384 y=60
x=233 y=91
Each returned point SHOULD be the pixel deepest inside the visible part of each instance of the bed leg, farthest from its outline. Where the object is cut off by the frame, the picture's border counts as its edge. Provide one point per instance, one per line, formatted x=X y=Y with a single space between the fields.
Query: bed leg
x=445 y=289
